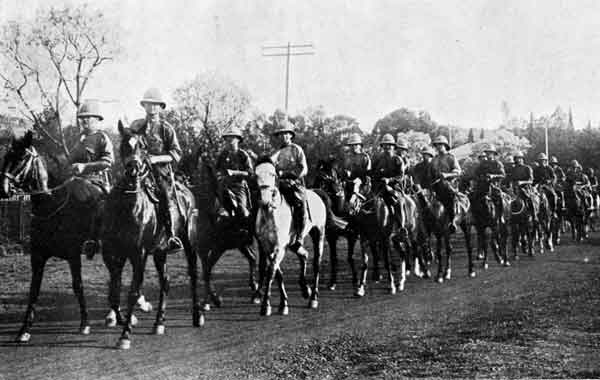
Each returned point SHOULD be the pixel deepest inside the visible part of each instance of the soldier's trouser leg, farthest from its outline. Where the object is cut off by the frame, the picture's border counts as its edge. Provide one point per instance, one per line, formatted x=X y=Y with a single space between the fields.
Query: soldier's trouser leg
x=167 y=213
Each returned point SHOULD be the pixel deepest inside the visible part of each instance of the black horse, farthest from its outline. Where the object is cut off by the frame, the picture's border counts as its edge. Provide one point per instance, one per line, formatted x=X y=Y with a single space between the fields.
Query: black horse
x=59 y=226
x=217 y=235
x=132 y=232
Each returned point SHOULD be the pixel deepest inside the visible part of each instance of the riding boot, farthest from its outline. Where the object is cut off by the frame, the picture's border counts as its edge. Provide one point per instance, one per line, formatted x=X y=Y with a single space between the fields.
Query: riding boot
x=451 y=216
x=93 y=245
x=298 y=218
x=173 y=241
x=221 y=212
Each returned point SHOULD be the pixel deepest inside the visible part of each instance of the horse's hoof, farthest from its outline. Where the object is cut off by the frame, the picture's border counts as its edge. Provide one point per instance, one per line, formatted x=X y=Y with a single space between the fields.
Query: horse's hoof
x=480 y=257
x=197 y=319
x=266 y=311
x=110 y=322
x=201 y=321
x=284 y=310
x=472 y=274
x=401 y=286
x=331 y=287
x=206 y=307
x=507 y=263
x=407 y=273
x=448 y=275
x=23 y=337
x=159 y=329
x=146 y=307
x=256 y=300
x=85 y=330
x=393 y=290
x=440 y=279
x=124 y=344
x=360 y=291
x=306 y=292
x=516 y=258
x=427 y=274
x=134 y=320
x=485 y=266
x=313 y=304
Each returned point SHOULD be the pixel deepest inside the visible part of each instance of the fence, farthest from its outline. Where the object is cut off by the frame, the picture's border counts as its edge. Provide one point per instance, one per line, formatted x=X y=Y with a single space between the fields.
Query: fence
x=15 y=218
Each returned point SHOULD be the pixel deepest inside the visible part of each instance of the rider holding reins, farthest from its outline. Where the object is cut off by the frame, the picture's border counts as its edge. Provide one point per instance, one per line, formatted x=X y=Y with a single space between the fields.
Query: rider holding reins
x=448 y=168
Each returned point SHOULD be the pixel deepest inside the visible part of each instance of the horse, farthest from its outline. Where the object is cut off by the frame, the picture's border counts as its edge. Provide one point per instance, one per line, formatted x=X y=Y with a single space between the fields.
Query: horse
x=435 y=221
x=274 y=232
x=132 y=232
x=59 y=225
x=487 y=216
x=217 y=235
x=522 y=226
x=575 y=212
x=361 y=223
x=545 y=221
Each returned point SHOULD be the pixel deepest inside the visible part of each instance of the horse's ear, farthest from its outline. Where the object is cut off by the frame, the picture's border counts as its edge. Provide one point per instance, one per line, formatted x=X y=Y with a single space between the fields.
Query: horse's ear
x=28 y=139
x=120 y=127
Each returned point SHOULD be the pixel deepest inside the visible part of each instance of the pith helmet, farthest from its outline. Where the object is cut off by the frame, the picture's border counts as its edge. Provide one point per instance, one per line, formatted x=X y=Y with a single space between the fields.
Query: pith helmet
x=428 y=150
x=354 y=139
x=553 y=160
x=441 y=139
x=518 y=154
x=285 y=126
x=233 y=131
x=387 y=139
x=153 y=96
x=575 y=164
x=509 y=160
x=542 y=156
x=490 y=148
x=89 y=108
x=402 y=144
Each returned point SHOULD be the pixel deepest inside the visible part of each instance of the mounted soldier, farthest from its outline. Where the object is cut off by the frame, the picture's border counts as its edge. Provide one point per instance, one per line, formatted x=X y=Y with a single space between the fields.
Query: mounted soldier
x=448 y=168
x=161 y=144
x=593 y=185
x=388 y=170
x=402 y=152
x=290 y=163
x=355 y=168
x=560 y=181
x=488 y=175
x=423 y=173
x=91 y=159
x=545 y=178
x=579 y=183
x=522 y=180
x=509 y=165
x=233 y=168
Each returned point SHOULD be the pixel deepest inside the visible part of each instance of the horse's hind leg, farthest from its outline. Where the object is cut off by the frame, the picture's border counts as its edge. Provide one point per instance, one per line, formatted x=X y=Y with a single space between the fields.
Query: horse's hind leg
x=209 y=260
x=333 y=260
x=303 y=258
x=37 y=272
x=250 y=255
x=77 y=283
x=351 y=244
x=192 y=260
x=318 y=238
x=448 y=270
x=160 y=262
x=115 y=268
x=438 y=254
x=283 y=300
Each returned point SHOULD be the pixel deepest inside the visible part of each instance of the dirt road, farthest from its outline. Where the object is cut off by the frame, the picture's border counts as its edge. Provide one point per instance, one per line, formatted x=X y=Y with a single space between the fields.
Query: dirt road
x=538 y=318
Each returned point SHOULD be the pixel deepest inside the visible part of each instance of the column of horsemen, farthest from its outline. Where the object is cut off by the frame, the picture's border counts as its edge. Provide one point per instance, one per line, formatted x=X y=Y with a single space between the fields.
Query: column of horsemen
x=387 y=174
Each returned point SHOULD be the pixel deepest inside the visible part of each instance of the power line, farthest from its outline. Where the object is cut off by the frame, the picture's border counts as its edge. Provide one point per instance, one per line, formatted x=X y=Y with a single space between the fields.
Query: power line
x=287 y=53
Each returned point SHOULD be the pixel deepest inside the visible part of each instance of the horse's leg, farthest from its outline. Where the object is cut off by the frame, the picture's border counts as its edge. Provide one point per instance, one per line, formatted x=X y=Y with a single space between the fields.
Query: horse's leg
x=333 y=260
x=283 y=298
x=212 y=257
x=250 y=255
x=302 y=255
x=514 y=235
x=404 y=251
x=75 y=267
x=467 y=235
x=318 y=238
x=495 y=243
x=137 y=261
x=37 y=273
x=192 y=261
x=351 y=244
x=271 y=269
x=115 y=268
x=262 y=268
x=376 y=276
x=362 y=280
x=386 y=248
x=448 y=269
x=481 y=235
x=438 y=254
x=160 y=262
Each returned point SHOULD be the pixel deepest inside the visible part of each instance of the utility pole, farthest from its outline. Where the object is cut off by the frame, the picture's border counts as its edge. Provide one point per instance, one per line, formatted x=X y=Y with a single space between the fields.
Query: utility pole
x=287 y=51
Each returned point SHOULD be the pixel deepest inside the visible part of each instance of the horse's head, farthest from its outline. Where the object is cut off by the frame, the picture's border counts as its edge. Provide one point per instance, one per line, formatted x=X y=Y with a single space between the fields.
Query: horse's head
x=328 y=180
x=266 y=179
x=23 y=168
x=133 y=155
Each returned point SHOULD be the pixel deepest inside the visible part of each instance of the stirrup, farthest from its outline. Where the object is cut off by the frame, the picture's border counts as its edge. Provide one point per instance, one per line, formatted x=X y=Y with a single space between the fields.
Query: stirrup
x=174 y=243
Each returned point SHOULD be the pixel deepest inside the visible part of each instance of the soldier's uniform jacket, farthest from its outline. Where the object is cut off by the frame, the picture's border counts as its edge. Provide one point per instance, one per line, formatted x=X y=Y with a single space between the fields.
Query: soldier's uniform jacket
x=559 y=174
x=386 y=166
x=487 y=167
x=543 y=175
x=577 y=177
x=358 y=164
x=423 y=174
x=446 y=163
x=92 y=148
x=290 y=160
x=522 y=173
x=158 y=139
x=229 y=160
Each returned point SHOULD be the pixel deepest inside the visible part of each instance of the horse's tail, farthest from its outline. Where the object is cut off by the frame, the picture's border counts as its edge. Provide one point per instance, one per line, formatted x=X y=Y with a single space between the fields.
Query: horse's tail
x=333 y=222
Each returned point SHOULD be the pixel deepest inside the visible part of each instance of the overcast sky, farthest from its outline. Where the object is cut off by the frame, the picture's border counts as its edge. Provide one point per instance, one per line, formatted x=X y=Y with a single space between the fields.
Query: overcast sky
x=458 y=60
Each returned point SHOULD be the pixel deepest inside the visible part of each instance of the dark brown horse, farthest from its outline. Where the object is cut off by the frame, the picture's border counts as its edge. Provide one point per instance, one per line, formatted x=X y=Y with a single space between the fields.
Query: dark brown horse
x=132 y=232
x=59 y=225
x=217 y=235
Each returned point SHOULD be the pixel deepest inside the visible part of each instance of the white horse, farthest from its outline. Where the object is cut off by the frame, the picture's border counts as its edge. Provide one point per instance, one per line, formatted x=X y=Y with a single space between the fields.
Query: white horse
x=275 y=232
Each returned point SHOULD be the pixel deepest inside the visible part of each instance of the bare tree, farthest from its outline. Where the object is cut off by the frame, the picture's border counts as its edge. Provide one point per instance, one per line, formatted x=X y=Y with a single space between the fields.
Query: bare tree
x=46 y=63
